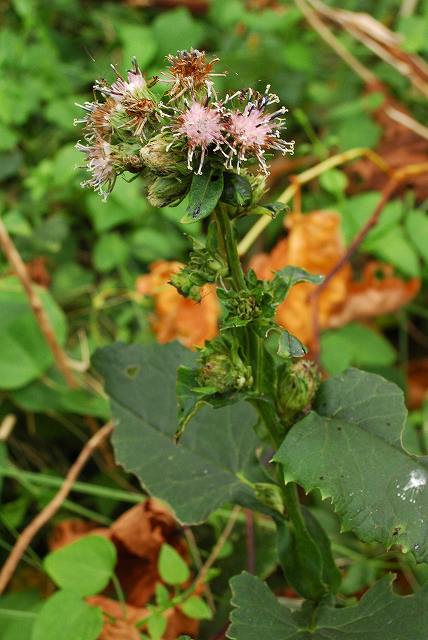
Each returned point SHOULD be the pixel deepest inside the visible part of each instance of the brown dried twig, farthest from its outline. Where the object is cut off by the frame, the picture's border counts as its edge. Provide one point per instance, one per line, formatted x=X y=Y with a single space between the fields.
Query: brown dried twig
x=397 y=177
x=20 y=270
x=52 y=507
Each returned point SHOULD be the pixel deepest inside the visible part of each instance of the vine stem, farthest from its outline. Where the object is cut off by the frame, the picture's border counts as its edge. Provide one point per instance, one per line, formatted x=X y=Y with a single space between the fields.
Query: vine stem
x=304 y=177
x=227 y=237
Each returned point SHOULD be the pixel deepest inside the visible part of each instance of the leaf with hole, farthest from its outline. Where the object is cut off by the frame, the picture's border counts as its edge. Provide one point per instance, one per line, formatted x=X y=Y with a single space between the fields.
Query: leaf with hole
x=216 y=448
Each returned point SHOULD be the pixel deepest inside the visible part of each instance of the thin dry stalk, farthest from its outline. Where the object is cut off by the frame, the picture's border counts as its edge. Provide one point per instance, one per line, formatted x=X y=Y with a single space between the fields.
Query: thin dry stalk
x=407 y=121
x=318 y=25
x=7 y=426
x=304 y=177
x=20 y=270
x=52 y=507
x=200 y=578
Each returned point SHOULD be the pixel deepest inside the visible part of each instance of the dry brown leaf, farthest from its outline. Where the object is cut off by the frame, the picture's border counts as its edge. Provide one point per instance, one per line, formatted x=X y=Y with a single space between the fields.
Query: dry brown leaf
x=381 y=41
x=68 y=531
x=399 y=147
x=116 y=627
x=138 y=535
x=123 y=625
x=176 y=317
x=378 y=292
x=417 y=383
x=38 y=271
x=314 y=243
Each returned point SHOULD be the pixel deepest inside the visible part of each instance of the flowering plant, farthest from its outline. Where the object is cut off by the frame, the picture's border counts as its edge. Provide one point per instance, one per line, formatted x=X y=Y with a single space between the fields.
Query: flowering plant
x=245 y=419
x=186 y=131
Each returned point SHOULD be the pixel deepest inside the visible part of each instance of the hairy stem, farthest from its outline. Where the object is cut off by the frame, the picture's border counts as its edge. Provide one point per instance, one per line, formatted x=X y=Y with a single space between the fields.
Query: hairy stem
x=227 y=238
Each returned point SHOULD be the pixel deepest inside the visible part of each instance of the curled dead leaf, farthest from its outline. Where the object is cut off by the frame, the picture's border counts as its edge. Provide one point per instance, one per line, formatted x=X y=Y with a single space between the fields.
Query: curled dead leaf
x=176 y=317
x=138 y=535
x=67 y=531
x=379 y=291
x=314 y=242
x=120 y=620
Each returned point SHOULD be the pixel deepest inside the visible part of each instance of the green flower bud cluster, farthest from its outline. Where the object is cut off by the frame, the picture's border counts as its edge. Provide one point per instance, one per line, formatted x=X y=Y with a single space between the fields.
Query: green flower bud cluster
x=205 y=266
x=222 y=368
x=297 y=386
x=254 y=303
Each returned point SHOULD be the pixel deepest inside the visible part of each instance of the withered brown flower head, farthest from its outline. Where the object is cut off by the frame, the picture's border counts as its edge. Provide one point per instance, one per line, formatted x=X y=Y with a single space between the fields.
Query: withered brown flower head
x=139 y=110
x=188 y=71
x=97 y=120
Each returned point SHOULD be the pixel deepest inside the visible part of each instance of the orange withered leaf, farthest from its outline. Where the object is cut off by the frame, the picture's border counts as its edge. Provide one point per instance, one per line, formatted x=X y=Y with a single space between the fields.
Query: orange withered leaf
x=176 y=317
x=315 y=243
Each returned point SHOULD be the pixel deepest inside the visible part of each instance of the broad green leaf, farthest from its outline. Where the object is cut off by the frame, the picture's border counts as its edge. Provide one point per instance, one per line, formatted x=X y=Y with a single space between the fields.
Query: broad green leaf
x=379 y=615
x=417 y=229
x=24 y=354
x=359 y=131
x=52 y=395
x=65 y=615
x=171 y=566
x=394 y=247
x=205 y=192
x=84 y=567
x=196 y=608
x=110 y=251
x=177 y=29
x=156 y=626
x=351 y=451
x=356 y=211
x=357 y=345
x=18 y=612
x=138 y=41
x=334 y=181
x=217 y=447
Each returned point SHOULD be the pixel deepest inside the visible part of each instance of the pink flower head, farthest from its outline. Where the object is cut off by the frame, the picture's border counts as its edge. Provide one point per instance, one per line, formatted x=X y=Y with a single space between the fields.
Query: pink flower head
x=253 y=131
x=100 y=163
x=202 y=127
x=134 y=86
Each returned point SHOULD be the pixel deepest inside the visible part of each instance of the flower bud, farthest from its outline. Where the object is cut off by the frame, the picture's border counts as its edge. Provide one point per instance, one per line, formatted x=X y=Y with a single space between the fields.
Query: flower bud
x=166 y=191
x=224 y=374
x=258 y=186
x=296 y=389
x=158 y=159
